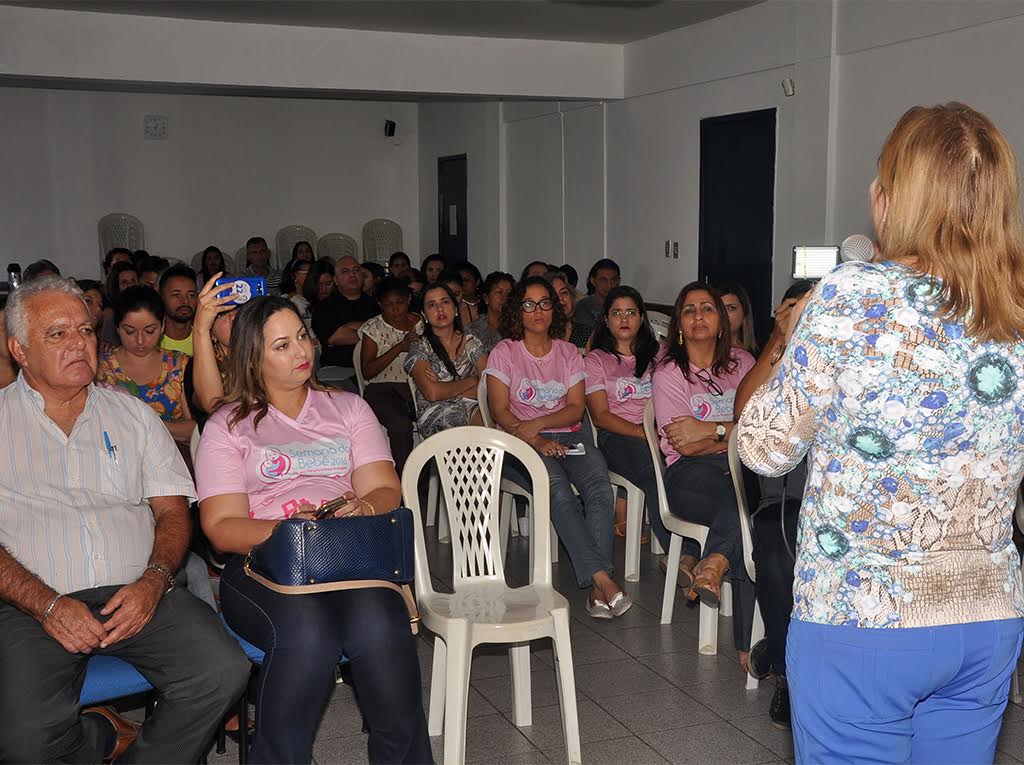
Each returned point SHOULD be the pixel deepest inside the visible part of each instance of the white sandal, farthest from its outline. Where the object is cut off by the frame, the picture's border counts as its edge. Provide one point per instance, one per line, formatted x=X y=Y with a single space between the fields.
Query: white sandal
x=599 y=609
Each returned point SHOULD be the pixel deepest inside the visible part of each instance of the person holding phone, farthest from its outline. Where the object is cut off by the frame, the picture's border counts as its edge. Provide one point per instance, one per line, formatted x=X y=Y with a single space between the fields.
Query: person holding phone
x=535 y=391
x=279 y=447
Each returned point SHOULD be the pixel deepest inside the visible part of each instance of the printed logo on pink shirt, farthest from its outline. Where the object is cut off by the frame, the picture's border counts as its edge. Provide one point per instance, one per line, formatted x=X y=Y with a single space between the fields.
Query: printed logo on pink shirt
x=713 y=408
x=632 y=387
x=274 y=464
x=324 y=457
x=542 y=395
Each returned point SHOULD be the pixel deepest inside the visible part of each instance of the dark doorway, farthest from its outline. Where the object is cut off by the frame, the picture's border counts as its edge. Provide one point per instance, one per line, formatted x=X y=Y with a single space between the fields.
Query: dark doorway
x=452 y=238
x=737 y=206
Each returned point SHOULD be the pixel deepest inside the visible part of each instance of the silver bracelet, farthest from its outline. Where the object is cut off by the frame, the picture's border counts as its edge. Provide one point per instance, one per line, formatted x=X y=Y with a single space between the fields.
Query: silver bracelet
x=49 y=608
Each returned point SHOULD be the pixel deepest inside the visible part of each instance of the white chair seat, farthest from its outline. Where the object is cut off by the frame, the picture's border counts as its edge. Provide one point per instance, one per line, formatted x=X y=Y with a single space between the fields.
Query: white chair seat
x=494 y=608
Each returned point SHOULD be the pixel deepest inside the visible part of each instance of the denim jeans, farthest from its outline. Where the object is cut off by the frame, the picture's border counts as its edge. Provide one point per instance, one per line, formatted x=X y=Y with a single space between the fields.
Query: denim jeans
x=773 y=556
x=630 y=458
x=303 y=637
x=585 y=524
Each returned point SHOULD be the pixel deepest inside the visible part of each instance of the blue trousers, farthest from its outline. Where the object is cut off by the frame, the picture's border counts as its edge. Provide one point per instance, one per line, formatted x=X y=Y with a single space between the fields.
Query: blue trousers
x=303 y=637
x=929 y=695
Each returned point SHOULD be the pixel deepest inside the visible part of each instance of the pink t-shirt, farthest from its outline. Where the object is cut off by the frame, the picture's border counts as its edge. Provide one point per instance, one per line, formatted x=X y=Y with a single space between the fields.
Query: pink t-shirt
x=675 y=396
x=627 y=394
x=285 y=463
x=537 y=386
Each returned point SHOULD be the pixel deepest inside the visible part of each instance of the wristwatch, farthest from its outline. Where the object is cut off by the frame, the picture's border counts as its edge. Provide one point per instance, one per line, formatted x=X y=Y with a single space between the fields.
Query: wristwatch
x=165 y=573
x=720 y=432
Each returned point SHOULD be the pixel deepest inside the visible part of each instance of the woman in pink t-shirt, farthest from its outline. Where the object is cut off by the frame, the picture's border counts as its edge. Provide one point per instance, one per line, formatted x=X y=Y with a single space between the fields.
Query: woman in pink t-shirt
x=619 y=370
x=694 y=388
x=535 y=391
x=277 y=448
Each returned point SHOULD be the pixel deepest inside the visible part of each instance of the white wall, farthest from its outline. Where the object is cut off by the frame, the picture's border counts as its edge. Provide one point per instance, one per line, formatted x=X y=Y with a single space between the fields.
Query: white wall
x=231 y=168
x=447 y=129
x=117 y=47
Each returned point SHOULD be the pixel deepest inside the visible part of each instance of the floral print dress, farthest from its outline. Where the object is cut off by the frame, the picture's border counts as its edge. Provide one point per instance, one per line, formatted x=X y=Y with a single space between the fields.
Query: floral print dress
x=915 y=433
x=164 y=394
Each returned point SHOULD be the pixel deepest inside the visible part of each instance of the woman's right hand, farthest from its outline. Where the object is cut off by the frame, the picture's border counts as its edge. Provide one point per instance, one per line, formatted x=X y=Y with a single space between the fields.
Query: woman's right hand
x=210 y=306
x=549 y=448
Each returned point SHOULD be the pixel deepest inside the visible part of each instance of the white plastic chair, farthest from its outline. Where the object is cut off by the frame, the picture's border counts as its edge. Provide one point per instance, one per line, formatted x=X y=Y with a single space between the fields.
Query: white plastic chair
x=747 y=536
x=286 y=238
x=337 y=246
x=120 y=230
x=510 y=489
x=707 y=642
x=635 y=502
x=483 y=608
x=381 y=239
x=434 y=497
x=357 y=363
x=659 y=323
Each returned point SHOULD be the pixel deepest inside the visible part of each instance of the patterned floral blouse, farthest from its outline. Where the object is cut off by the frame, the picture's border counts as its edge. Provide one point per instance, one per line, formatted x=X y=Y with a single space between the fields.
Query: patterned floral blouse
x=916 y=439
x=164 y=394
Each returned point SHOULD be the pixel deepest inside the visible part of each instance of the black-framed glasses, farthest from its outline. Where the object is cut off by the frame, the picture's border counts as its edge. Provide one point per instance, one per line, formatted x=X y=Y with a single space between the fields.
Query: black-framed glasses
x=529 y=306
x=705 y=377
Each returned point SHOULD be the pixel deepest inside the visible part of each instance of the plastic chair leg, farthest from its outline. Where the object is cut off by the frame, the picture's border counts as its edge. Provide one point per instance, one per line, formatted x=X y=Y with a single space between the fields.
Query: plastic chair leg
x=444 y=534
x=634 y=530
x=522 y=701
x=566 y=686
x=435 y=716
x=707 y=640
x=668 y=600
x=514 y=520
x=433 y=491
x=757 y=634
x=725 y=602
x=506 y=512
x=554 y=545
x=656 y=547
x=456 y=693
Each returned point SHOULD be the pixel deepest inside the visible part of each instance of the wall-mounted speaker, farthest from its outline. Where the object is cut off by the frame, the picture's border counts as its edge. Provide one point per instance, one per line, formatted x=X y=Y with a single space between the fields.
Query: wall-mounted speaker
x=389 y=128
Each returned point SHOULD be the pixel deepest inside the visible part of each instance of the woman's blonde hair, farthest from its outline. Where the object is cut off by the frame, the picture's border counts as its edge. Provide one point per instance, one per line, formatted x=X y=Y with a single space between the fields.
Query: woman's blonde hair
x=950 y=180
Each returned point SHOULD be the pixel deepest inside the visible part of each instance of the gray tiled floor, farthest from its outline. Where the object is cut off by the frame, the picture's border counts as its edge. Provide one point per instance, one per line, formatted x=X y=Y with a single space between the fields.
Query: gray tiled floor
x=645 y=694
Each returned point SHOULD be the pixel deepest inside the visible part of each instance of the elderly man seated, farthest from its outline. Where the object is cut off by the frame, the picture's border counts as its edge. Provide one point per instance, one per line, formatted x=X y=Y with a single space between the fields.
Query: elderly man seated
x=93 y=521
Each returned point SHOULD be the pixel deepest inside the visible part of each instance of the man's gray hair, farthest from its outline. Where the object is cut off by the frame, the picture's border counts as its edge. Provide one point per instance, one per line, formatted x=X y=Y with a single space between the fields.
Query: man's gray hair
x=16 y=312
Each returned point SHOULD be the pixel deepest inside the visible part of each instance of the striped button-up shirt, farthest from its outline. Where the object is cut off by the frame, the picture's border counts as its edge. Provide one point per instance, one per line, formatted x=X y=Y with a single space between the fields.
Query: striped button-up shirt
x=71 y=511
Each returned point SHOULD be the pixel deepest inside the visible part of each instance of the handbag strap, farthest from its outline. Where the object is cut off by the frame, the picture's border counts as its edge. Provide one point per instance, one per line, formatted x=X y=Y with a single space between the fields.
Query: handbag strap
x=355 y=584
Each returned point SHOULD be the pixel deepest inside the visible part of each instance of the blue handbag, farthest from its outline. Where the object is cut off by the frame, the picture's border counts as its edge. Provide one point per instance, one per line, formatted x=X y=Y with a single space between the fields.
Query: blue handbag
x=303 y=556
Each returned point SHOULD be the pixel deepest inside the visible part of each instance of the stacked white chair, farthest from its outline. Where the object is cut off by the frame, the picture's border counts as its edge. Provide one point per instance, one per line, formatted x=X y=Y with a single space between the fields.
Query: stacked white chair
x=746 y=535
x=659 y=323
x=287 y=237
x=334 y=247
x=482 y=607
x=120 y=230
x=381 y=238
x=707 y=642
x=357 y=363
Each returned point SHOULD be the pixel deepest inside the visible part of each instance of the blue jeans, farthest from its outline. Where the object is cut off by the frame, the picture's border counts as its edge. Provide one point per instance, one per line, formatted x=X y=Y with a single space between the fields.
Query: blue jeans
x=630 y=458
x=585 y=524
x=929 y=695
x=303 y=637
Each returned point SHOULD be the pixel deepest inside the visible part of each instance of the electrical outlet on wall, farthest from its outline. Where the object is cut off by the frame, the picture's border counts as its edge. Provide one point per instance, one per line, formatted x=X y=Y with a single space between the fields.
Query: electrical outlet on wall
x=675 y=250
x=154 y=127
x=666 y=248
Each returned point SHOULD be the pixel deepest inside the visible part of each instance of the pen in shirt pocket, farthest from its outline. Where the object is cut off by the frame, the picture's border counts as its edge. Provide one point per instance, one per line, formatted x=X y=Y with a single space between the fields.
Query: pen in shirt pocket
x=111 y=450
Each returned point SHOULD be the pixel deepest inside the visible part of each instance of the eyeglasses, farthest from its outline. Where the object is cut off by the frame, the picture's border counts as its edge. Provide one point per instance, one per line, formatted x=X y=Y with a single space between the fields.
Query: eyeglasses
x=705 y=377
x=529 y=306
x=629 y=313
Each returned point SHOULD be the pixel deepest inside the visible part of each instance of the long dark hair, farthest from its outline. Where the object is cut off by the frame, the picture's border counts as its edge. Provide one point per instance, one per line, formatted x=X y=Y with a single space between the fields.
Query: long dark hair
x=245 y=363
x=645 y=345
x=288 y=274
x=114 y=276
x=311 y=287
x=511 y=323
x=748 y=341
x=140 y=297
x=428 y=331
x=223 y=267
x=675 y=351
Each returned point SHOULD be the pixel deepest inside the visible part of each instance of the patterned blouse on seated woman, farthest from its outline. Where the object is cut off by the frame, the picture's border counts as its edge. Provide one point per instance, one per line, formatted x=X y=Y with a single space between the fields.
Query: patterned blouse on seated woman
x=445 y=364
x=140 y=367
x=386 y=340
x=277 y=448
